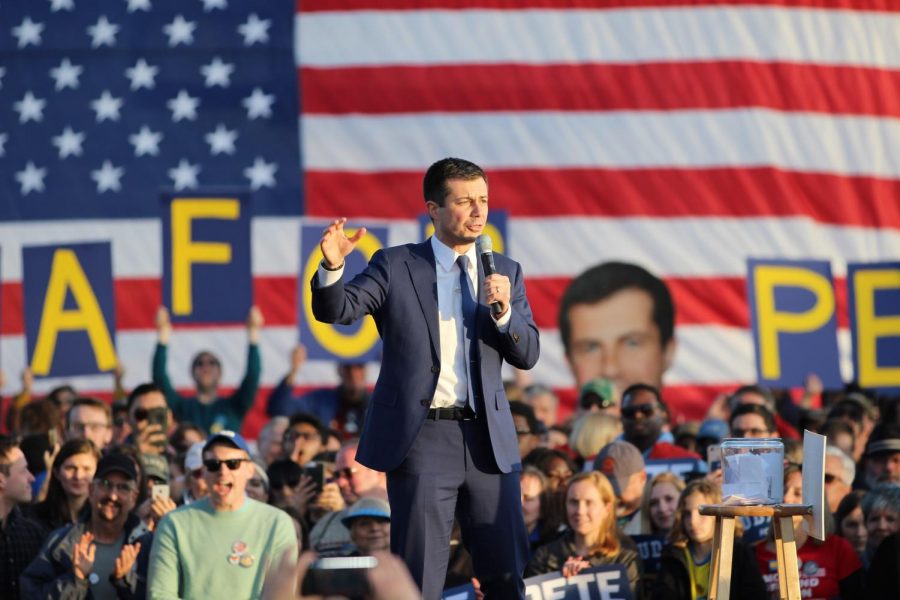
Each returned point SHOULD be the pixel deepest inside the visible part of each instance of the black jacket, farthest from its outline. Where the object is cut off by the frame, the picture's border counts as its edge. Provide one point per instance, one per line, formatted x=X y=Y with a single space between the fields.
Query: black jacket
x=674 y=581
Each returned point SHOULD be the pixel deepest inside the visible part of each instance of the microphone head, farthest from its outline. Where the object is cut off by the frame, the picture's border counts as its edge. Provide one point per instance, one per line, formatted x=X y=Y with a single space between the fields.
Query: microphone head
x=484 y=244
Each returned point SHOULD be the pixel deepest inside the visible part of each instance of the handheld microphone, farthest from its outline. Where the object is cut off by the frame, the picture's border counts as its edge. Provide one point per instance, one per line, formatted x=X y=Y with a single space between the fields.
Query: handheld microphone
x=486 y=251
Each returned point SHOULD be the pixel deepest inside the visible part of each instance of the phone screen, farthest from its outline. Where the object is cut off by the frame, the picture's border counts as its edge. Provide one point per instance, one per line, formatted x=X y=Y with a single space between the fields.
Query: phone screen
x=160 y=490
x=317 y=472
x=345 y=576
x=714 y=457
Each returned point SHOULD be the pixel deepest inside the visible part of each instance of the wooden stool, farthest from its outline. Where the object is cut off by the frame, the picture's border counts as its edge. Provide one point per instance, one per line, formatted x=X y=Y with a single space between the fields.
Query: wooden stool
x=785 y=545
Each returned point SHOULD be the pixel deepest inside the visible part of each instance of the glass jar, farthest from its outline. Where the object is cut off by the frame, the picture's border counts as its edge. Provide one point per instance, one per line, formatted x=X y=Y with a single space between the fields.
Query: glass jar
x=752 y=471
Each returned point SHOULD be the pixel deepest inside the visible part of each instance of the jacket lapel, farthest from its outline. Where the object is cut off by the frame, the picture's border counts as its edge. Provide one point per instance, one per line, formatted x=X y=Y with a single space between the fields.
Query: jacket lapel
x=422 y=272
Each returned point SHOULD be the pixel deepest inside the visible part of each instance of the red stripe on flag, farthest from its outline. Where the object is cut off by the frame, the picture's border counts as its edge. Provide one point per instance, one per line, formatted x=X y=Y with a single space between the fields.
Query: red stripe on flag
x=725 y=192
x=309 y=6
x=601 y=87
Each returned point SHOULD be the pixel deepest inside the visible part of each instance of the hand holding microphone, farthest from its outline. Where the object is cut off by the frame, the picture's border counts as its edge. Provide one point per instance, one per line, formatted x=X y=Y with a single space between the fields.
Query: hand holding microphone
x=497 y=287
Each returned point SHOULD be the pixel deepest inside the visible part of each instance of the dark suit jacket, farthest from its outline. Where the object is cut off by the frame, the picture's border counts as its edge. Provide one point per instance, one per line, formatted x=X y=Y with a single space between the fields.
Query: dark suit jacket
x=399 y=289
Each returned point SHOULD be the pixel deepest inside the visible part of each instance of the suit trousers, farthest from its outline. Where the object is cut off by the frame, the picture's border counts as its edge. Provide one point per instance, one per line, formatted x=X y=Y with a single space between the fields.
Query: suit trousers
x=450 y=471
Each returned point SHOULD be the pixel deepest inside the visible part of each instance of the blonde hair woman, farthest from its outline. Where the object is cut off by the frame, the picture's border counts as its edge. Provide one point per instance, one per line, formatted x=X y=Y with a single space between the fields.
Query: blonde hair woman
x=592 y=538
x=659 y=503
x=592 y=431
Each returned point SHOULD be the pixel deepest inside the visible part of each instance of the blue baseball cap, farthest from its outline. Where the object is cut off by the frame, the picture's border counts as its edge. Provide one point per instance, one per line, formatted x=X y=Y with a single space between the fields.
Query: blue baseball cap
x=715 y=429
x=367 y=507
x=230 y=437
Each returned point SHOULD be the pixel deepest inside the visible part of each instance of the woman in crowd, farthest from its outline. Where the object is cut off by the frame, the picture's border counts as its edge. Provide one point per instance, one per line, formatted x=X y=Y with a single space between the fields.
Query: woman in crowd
x=838 y=571
x=541 y=522
x=881 y=509
x=685 y=562
x=850 y=523
x=70 y=484
x=592 y=538
x=659 y=503
x=591 y=432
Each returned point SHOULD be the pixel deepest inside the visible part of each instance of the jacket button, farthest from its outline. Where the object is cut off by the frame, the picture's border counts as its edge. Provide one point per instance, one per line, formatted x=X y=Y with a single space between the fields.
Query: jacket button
x=435 y=369
x=425 y=402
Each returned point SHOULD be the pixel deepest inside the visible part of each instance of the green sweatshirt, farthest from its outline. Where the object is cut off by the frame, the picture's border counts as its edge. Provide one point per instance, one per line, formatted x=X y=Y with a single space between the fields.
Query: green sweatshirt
x=222 y=413
x=200 y=553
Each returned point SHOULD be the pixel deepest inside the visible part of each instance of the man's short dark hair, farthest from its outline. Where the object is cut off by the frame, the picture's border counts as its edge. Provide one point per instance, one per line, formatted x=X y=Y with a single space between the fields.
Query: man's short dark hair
x=602 y=281
x=434 y=185
x=7 y=444
x=143 y=390
x=525 y=410
x=634 y=388
x=93 y=403
x=310 y=419
x=761 y=391
x=753 y=409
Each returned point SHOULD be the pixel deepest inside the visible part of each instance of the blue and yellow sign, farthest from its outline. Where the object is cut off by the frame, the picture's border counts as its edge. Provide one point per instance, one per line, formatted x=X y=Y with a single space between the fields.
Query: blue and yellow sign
x=69 y=309
x=495 y=228
x=358 y=342
x=874 y=302
x=792 y=313
x=207 y=274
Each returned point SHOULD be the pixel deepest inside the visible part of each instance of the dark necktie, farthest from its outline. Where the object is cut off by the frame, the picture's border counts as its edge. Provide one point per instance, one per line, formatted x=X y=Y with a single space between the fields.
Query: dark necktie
x=468 y=311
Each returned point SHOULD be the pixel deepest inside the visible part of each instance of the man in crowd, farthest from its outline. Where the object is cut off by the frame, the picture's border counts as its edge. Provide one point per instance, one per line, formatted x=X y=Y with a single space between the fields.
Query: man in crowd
x=218 y=547
x=90 y=419
x=93 y=557
x=145 y=400
x=623 y=465
x=757 y=394
x=752 y=421
x=882 y=457
x=528 y=429
x=20 y=538
x=543 y=401
x=644 y=416
x=304 y=437
x=207 y=409
x=840 y=471
x=342 y=408
x=617 y=321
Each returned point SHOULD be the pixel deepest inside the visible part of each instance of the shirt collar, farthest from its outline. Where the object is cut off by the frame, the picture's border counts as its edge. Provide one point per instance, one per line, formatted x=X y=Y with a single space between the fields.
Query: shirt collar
x=445 y=256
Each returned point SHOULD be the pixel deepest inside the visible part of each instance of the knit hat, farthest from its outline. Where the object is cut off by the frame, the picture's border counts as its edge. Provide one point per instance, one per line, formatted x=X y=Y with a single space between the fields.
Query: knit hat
x=619 y=460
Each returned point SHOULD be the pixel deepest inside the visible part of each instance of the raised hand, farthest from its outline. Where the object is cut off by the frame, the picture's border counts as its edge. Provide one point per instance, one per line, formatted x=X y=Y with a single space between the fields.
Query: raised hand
x=335 y=244
x=574 y=565
x=125 y=560
x=255 y=321
x=163 y=325
x=83 y=555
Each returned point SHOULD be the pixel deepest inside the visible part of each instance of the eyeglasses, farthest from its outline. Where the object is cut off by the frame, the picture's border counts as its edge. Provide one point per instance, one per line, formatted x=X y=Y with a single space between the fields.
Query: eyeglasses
x=645 y=410
x=123 y=487
x=753 y=432
x=292 y=435
x=213 y=465
x=79 y=427
x=346 y=473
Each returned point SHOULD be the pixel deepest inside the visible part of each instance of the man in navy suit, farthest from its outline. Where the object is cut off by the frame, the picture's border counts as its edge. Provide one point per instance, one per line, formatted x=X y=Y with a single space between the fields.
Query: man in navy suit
x=438 y=421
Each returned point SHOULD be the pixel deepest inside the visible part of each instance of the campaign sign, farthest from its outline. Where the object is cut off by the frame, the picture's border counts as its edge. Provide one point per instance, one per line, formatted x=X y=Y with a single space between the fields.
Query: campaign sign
x=70 y=313
x=756 y=529
x=460 y=592
x=873 y=292
x=792 y=313
x=495 y=228
x=609 y=582
x=207 y=274
x=357 y=342
x=679 y=466
x=650 y=548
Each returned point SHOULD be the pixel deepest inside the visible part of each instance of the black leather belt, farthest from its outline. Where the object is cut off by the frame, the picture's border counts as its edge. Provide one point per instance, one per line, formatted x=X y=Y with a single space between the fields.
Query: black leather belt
x=451 y=414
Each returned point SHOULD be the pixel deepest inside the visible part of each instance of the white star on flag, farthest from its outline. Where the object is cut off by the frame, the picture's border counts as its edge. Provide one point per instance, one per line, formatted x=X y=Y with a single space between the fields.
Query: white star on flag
x=255 y=30
x=30 y=108
x=108 y=177
x=136 y=5
x=28 y=32
x=258 y=104
x=66 y=74
x=142 y=75
x=31 y=179
x=3 y=138
x=183 y=106
x=103 y=33
x=261 y=174
x=217 y=73
x=57 y=5
x=180 y=31
x=184 y=176
x=107 y=107
x=69 y=142
x=209 y=5
x=221 y=140
x=145 y=141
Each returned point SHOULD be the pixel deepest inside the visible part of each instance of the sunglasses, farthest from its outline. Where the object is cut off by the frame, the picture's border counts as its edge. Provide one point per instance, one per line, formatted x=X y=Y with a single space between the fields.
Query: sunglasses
x=120 y=488
x=346 y=473
x=213 y=465
x=645 y=410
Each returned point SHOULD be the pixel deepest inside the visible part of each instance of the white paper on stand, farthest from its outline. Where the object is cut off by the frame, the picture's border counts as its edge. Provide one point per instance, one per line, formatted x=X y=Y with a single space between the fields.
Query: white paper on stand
x=814 y=481
x=752 y=478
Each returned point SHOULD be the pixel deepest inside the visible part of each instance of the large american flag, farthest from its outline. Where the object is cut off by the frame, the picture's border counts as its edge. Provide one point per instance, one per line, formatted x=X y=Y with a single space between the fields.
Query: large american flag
x=684 y=136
